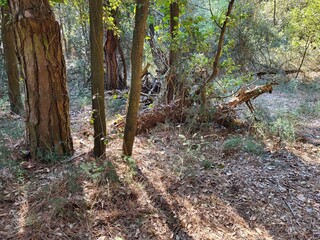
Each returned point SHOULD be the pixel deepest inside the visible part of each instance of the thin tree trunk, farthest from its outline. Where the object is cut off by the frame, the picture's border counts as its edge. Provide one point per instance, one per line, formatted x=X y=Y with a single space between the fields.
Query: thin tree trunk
x=274 y=12
x=11 y=61
x=215 y=71
x=158 y=55
x=122 y=80
x=171 y=79
x=47 y=102
x=136 y=71
x=97 y=76
x=303 y=56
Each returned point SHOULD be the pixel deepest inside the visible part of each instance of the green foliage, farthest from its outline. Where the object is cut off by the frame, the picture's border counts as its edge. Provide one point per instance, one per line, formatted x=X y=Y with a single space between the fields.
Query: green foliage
x=99 y=173
x=3 y=3
x=13 y=131
x=109 y=17
x=283 y=126
x=309 y=108
x=92 y=170
x=116 y=104
x=304 y=22
x=131 y=163
x=246 y=144
x=232 y=142
x=58 y=1
x=50 y=156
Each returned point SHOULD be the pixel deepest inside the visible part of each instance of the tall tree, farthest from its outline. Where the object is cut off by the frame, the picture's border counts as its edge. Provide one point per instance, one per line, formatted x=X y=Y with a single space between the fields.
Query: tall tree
x=112 y=48
x=47 y=102
x=97 y=76
x=171 y=79
x=136 y=72
x=11 y=61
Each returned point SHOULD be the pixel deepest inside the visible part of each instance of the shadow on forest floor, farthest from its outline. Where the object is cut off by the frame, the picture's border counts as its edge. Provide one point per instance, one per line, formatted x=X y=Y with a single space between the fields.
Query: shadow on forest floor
x=179 y=185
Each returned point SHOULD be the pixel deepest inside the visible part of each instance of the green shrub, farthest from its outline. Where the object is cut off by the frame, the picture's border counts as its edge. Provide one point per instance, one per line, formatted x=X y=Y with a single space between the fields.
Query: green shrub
x=246 y=144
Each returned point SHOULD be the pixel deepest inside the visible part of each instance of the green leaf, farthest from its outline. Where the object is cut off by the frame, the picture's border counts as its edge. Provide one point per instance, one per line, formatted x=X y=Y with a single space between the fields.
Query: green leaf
x=3 y=3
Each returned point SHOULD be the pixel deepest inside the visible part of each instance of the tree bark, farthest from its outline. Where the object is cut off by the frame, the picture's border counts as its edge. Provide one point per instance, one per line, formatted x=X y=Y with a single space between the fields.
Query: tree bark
x=171 y=79
x=11 y=61
x=136 y=71
x=47 y=102
x=112 y=48
x=97 y=76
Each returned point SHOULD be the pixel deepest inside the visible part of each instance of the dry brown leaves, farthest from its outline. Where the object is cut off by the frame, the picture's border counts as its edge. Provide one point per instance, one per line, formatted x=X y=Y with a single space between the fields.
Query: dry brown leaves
x=177 y=186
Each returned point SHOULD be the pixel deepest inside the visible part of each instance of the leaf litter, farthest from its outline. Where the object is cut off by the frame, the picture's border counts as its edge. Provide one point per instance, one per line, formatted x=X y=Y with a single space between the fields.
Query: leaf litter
x=172 y=188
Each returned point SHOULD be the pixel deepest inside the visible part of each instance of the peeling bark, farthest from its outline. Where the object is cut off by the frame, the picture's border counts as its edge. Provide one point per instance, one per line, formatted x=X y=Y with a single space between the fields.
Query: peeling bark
x=47 y=102
x=113 y=51
x=110 y=49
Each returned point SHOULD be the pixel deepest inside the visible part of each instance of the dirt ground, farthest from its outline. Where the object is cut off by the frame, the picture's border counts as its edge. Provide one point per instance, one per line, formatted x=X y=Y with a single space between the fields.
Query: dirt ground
x=181 y=183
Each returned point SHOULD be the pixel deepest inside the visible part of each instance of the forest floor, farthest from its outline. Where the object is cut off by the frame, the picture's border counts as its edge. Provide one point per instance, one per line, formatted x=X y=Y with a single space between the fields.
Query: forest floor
x=183 y=182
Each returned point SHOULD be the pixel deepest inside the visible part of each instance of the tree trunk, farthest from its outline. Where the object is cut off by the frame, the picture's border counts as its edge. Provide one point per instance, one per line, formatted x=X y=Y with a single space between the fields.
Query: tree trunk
x=136 y=66
x=112 y=49
x=215 y=70
x=171 y=79
x=63 y=36
x=159 y=57
x=97 y=76
x=11 y=61
x=274 y=12
x=47 y=102
x=306 y=47
x=122 y=78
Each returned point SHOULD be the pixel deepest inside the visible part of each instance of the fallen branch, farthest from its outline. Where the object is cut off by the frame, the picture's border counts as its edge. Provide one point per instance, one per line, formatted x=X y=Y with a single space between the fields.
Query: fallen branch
x=176 y=111
x=149 y=118
x=244 y=96
x=273 y=72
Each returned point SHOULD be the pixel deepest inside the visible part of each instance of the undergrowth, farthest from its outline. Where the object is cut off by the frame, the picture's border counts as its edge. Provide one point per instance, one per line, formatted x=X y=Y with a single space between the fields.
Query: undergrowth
x=240 y=143
x=284 y=122
x=10 y=133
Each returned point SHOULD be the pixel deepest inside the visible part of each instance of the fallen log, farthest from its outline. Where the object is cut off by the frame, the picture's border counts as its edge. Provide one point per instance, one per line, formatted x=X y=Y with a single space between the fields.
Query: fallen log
x=273 y=72
x=177 y=110
x=245 y=95
x=149 y=118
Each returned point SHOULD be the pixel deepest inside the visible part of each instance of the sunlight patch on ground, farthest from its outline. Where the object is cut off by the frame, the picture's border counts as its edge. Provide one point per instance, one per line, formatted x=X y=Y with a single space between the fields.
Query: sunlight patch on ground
x=211 y=218
x=23 y=213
